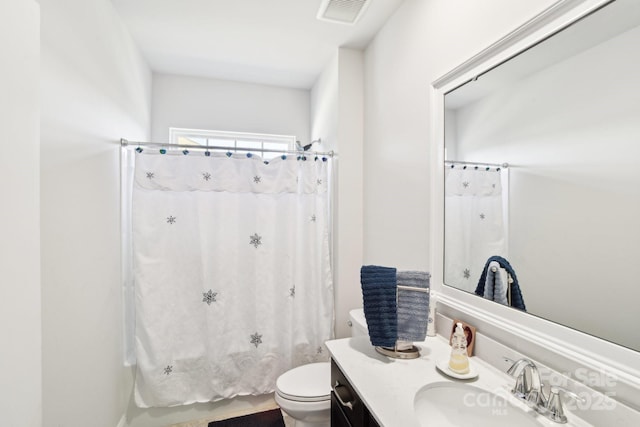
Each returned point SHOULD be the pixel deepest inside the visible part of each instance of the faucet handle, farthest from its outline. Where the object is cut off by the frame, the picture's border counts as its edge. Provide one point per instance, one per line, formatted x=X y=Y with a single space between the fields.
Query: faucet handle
x=522 y=388
x=554 y=410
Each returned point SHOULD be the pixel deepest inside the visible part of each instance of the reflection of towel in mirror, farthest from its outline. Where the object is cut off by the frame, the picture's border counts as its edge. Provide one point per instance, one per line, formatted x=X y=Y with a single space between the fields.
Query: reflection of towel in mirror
x=514 y=287
x=379 y=302
x=413 y=306
x=495 y=287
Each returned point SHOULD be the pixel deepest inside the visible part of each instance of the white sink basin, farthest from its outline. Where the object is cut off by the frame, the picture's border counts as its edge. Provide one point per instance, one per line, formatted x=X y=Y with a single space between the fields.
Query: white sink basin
x=446 y=404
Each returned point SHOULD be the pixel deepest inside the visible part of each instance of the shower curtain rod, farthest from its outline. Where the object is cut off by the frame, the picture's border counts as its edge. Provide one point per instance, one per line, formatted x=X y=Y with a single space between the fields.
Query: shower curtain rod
x=124 y=143
x=459 y=162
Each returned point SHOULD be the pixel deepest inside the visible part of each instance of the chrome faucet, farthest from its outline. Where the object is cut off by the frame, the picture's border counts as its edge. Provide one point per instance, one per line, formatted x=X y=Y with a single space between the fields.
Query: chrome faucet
x=529 y=388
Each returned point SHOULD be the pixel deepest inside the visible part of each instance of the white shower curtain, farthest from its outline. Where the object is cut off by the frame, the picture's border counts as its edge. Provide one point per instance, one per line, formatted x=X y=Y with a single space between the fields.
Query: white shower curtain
x=232 y=273
x=475 y=226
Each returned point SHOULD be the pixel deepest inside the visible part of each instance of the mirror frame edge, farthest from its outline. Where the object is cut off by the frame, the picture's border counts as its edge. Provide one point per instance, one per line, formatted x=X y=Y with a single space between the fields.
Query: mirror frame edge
x=500 y=322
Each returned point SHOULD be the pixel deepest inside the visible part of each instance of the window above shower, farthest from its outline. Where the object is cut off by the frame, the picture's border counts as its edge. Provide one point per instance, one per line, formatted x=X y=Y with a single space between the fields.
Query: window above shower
x=267 y=146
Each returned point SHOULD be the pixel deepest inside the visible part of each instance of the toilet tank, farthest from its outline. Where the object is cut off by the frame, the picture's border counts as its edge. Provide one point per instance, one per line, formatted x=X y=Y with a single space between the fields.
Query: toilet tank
x=357 y=322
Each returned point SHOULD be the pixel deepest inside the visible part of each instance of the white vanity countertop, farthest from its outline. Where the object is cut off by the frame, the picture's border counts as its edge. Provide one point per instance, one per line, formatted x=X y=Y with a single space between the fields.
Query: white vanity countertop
x=387 y=386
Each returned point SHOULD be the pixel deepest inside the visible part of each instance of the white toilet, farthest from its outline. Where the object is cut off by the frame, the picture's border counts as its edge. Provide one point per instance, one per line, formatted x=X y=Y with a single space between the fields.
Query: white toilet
x=304 y=393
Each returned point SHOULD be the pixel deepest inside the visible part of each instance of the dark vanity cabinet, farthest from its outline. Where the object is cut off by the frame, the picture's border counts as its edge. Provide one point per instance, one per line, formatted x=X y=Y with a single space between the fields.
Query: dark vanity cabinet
x=347 y=409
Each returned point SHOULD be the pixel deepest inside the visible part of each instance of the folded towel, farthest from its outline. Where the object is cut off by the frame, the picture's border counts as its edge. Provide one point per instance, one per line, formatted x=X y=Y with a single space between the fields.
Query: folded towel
x=379 y=302
x=516 y=294
x=413 y=306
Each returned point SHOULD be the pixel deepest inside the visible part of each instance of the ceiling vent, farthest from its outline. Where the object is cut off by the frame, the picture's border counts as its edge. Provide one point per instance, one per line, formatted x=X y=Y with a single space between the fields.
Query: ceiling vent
x=342 y=11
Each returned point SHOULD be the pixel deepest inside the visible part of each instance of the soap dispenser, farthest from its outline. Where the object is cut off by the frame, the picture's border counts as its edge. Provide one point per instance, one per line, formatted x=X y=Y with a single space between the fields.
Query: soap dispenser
x=459 y=360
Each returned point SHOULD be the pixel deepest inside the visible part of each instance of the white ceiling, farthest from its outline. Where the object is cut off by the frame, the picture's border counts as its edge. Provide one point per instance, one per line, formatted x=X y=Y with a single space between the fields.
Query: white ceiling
x=275 y=42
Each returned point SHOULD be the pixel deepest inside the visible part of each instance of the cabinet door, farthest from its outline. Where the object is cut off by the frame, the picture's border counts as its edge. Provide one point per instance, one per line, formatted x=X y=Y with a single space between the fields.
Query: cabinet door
x=346 y=400
x=338 y=417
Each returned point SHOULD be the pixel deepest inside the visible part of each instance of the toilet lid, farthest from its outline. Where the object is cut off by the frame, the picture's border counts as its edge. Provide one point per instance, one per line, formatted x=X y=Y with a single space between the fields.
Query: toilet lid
x=306 y=383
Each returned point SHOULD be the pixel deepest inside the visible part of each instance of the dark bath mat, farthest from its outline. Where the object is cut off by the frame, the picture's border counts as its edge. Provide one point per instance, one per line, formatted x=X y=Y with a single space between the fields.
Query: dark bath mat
x=271 y=418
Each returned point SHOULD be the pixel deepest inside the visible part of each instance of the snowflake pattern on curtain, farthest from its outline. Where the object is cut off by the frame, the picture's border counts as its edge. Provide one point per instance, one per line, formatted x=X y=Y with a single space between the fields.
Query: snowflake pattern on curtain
x=209 y=297
x=255 y=240
x=256 y=339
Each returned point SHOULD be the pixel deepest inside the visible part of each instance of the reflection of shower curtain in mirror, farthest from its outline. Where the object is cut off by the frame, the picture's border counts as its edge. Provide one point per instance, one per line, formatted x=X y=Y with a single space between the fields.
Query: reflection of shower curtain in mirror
x=475 y=222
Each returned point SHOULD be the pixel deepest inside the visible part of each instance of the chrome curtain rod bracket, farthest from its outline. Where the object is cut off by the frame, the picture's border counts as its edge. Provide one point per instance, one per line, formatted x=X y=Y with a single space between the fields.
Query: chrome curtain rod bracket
x=125 y=143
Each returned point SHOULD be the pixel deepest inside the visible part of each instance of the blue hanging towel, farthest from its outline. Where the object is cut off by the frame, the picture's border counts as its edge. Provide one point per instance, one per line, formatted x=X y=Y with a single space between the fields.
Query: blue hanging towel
x=413 y=306
x=379 y=301
x=516 y=294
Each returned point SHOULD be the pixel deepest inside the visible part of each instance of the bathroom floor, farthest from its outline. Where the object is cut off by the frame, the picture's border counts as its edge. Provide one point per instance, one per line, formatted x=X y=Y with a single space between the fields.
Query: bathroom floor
x=288 y=422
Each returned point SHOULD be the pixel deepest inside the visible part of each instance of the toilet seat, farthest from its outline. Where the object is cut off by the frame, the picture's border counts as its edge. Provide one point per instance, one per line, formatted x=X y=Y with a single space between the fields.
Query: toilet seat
x=306 y=383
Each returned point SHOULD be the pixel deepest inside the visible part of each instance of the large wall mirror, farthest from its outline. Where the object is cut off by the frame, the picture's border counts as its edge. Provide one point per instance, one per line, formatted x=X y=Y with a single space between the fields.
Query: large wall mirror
x=542 y=168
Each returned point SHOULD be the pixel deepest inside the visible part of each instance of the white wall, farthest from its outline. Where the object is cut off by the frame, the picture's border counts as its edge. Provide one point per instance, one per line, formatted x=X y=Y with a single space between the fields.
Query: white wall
x=200 y=103
x=20 y=317
x=421 y=42
x=337 y=106
x=574 y=199
x=324 y=105
x=95 y=89
x=350 y=203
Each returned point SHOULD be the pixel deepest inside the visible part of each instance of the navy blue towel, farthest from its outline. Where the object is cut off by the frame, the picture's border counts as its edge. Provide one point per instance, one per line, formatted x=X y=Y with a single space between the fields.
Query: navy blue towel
x=516 y=295
x=379 y=302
